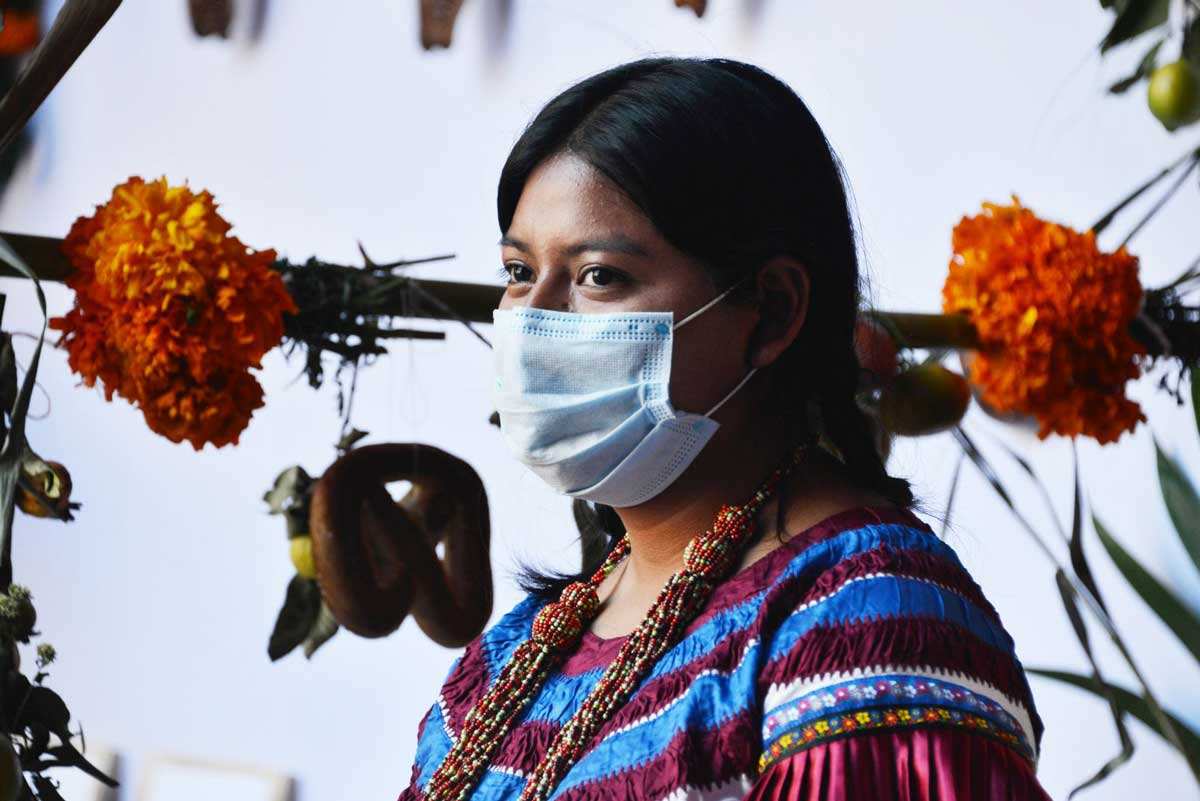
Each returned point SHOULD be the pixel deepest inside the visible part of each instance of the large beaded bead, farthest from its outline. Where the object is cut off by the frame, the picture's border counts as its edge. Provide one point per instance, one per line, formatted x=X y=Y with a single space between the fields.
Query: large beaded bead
x=583 y=597
x=557 y=625
x=730 y=521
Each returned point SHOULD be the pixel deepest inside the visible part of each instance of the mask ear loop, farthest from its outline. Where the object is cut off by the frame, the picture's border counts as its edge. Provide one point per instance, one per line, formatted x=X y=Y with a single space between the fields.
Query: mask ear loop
x=732 y=392
x=710 y=304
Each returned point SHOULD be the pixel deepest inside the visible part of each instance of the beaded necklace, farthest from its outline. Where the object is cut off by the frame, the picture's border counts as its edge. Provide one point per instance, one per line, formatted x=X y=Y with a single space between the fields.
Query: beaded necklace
x=556 y=630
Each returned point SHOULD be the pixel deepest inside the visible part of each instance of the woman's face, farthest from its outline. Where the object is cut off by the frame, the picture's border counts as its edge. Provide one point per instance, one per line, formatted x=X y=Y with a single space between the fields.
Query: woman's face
x=578 y=244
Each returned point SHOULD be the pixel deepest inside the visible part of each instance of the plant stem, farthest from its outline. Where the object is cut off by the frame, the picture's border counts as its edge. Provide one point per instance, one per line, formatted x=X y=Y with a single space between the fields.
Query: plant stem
x=916 y=330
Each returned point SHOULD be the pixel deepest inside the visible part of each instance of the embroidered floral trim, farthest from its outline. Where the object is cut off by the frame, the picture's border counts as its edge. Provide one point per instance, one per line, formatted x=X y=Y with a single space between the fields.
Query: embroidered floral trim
x=884 y=702
x=834 y=726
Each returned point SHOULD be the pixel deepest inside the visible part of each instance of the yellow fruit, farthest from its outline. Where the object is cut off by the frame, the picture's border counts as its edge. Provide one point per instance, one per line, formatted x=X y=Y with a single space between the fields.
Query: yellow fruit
x=10 y=771
x=302 y=556
x=1174 y=94
x=924 y=400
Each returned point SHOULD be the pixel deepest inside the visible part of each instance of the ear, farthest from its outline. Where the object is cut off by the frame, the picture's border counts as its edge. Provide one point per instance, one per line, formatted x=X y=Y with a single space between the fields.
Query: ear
x=783 y=293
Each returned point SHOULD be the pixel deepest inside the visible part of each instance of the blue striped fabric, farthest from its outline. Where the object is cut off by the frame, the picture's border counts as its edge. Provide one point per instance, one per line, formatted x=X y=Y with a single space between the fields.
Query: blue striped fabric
x=718 y=699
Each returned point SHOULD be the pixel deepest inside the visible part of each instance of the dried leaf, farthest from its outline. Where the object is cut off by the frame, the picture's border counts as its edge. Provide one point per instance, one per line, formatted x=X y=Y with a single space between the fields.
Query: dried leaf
x=300 y=608
x=289 y=485
x=322 y=631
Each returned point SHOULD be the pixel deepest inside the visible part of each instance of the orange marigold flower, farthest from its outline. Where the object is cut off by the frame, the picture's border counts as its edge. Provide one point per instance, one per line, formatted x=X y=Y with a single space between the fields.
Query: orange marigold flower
x=170 y=311
x=1052 y=313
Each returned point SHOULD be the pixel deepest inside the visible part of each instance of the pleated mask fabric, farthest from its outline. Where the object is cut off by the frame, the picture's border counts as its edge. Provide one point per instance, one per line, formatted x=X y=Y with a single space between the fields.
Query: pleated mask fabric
x=584 y=401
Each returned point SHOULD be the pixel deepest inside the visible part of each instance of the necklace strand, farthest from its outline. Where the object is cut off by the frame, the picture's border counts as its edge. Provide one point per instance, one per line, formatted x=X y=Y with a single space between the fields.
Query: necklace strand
x=556 y=630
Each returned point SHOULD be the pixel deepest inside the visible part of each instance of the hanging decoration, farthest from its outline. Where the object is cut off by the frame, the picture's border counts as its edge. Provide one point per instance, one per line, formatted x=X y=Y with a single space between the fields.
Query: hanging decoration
x=366 y=562
x=437 y=22
x=172 y=313
x=438 y=18
x=1054 y=315
x=211 y=17
x=699 y=6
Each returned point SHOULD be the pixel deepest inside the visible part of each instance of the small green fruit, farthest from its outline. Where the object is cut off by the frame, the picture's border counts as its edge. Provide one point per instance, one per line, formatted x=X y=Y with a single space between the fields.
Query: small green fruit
x=1174 y=94
x=924 y=400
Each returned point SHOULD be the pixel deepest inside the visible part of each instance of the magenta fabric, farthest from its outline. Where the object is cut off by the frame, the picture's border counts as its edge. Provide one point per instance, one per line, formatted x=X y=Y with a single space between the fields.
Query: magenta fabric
x=911 y=765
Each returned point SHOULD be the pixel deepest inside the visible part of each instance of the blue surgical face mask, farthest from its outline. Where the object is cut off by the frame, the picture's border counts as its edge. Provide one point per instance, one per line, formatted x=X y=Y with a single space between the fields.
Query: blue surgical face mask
x=584 y=401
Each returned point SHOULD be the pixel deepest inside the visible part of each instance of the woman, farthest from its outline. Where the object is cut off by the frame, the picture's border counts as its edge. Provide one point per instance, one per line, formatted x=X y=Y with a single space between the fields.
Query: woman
x=770 y=620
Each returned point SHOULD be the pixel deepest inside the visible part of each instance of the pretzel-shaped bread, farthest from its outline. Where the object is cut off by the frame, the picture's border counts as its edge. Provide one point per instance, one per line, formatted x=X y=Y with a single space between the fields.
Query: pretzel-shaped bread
x=376 y=558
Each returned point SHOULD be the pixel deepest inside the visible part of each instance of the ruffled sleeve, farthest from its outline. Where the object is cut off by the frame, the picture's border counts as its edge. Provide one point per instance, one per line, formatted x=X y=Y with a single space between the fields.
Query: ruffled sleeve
x=891 y=677
x=920 y=764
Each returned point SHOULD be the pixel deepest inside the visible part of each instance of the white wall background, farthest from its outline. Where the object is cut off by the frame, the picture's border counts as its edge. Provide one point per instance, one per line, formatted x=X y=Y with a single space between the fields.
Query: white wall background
x=337 y=127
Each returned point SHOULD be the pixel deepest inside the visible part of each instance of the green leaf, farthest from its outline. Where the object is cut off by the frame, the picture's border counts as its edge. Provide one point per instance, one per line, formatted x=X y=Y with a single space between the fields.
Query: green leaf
x=1142 y=70
x=1182 y=503
x=1133 y=705
x=8 y=373
x=1145 y=187
x=1170 y=610
x=1191 y=42
x=1067 y=593
x=1194 y=377
x=1133 y=18
x=15 y=447
x=300 y=608
x=1075 y=546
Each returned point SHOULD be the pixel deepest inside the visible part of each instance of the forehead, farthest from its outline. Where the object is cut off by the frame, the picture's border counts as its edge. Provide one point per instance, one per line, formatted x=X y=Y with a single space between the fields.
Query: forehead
x=565 y=198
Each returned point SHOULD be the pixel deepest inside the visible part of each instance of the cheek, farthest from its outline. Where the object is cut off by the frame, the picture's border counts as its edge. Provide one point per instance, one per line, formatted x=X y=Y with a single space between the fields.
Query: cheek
x=706 y=363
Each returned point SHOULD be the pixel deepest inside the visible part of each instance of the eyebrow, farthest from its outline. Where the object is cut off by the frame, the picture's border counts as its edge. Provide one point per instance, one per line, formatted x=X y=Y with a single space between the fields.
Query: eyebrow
x=615 y=243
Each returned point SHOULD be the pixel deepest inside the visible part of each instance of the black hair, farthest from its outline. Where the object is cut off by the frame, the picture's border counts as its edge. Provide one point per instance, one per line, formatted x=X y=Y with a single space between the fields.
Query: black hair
x=729 y=165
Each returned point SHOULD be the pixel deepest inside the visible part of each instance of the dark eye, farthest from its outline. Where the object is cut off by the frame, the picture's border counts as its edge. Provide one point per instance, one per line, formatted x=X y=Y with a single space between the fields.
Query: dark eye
x=517 y=273
x=602 y=276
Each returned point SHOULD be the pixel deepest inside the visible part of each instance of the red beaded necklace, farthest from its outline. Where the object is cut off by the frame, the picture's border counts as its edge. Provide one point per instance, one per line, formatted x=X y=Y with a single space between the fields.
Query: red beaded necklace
x=557 y=629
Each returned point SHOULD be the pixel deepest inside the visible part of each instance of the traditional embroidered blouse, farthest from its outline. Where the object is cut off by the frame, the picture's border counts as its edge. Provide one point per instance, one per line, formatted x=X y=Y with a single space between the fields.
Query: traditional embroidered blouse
x=858 y=660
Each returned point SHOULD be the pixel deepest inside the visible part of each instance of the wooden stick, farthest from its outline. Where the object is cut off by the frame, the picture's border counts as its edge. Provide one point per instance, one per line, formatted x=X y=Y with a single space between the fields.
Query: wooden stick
x=73 y=30
x=472 y=302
